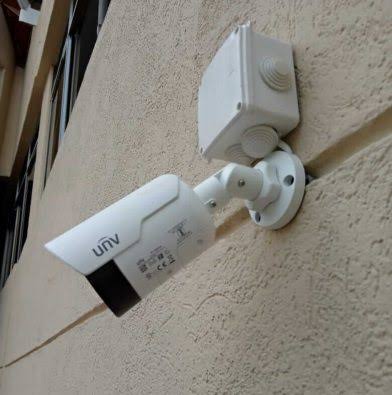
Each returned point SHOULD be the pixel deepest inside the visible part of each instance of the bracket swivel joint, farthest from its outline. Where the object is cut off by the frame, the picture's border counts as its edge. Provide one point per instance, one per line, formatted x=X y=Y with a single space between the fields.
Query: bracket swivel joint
x=272 y=190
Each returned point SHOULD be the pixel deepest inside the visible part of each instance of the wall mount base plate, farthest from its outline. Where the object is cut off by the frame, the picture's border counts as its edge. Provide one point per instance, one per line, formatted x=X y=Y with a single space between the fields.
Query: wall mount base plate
x=291 y=177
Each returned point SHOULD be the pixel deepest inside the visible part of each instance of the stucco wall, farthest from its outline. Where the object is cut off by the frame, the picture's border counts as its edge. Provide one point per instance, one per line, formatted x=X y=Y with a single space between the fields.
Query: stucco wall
x=302 y=310
x=10 y=138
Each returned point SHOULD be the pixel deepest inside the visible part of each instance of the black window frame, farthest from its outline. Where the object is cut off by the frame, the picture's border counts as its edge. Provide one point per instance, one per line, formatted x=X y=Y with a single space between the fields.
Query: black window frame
x=18 y=215
x=68 y=75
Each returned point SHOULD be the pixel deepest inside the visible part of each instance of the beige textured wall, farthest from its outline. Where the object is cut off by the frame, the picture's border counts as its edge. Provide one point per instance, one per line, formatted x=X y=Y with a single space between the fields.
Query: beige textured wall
x=10 y=138
x=303 y=310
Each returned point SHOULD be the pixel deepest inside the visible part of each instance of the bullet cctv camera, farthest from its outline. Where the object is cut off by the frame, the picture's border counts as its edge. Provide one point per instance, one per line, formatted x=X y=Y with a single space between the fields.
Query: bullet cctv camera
x=247 y=102
x=128 y=249
x=131 y=247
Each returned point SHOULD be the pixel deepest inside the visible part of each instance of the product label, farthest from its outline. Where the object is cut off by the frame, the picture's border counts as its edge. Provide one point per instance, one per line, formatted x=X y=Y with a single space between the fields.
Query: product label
x=159 y=259
x=153 y=267
x=180 y=232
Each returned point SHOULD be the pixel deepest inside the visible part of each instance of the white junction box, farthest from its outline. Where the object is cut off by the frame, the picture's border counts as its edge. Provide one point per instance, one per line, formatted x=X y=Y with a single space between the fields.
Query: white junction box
x=247 y=98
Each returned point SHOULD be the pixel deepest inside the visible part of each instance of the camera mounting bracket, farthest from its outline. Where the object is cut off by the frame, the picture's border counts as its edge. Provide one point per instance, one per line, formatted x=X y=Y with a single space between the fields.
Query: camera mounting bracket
x=272 y=190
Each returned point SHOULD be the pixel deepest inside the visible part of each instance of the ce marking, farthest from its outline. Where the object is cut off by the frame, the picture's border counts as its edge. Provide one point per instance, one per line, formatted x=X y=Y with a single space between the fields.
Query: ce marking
x=161 y=266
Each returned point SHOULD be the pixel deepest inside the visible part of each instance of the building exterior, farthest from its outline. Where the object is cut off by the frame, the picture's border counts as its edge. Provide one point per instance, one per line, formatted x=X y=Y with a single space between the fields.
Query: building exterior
x=90 y=117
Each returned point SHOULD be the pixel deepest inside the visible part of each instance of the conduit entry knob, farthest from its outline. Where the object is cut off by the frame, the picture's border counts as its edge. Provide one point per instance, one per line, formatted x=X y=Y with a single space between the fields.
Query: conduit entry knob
x=275 y=73
x=259 y=141
x=235 y=153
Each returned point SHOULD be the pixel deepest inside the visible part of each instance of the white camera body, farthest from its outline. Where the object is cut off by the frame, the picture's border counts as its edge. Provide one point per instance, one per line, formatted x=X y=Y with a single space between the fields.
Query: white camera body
x=144 y=237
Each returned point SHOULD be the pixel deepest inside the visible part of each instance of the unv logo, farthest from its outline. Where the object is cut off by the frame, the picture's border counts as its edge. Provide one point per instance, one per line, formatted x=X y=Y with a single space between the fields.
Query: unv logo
x=105 y=244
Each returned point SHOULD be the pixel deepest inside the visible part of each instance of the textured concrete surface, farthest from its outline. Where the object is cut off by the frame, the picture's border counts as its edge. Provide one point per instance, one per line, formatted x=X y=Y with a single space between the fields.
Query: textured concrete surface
x=260 y=311
x=302 y=311
x=9 y=143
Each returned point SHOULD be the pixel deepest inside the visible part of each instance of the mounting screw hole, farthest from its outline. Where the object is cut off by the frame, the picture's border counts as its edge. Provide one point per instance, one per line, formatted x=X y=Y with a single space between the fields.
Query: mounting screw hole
x=257 y=217
x=288 y=180
x=212 y=203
